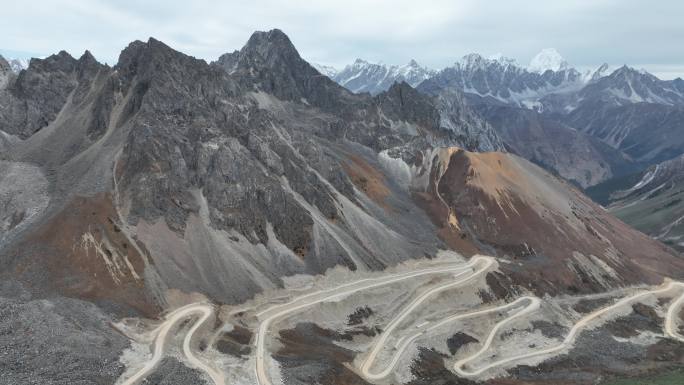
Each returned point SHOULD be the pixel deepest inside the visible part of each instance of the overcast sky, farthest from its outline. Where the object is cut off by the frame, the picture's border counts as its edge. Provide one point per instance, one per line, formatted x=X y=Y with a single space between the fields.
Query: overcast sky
x=644 y=34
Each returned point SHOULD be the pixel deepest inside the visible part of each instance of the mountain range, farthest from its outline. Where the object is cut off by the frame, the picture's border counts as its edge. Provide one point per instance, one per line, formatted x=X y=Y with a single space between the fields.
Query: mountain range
x=130 y=190
x=618 y=121
x=362 y=76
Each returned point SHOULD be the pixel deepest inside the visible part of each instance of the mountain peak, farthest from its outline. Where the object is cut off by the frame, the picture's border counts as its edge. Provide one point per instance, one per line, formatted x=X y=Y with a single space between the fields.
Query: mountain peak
x=547 y=59
x=624 y=70
x=503 y=60
x=326 y=70
x=473 y=59
x=61 y=61
x=152 y=50
x=273 y=42
x=87 y=57
x=269 y=62
x=363 y=76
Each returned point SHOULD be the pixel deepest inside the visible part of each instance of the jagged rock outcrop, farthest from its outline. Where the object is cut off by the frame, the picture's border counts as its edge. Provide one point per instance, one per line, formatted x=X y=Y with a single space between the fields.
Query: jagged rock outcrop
x=270 y=63
x=32 y=100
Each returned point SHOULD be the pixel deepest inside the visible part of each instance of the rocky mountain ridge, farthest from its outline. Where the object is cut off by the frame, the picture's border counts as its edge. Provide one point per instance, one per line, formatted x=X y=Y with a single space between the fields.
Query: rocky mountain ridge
x=127 y=189
x=199 y=151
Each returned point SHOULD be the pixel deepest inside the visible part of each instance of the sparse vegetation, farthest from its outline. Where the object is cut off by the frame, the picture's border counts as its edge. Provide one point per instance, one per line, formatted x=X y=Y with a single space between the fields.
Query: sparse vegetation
x=359 y=315
x=675 y=377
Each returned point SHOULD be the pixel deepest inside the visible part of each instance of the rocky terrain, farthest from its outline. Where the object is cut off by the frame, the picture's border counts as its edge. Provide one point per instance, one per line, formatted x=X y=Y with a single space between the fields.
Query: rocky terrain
x=498 y=202
x=129 y=191
x=654 y=203
x=571 y=154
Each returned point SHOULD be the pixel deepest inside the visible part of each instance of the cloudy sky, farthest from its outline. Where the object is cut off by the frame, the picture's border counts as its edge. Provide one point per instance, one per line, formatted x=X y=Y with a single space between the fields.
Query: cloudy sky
x=641 y=33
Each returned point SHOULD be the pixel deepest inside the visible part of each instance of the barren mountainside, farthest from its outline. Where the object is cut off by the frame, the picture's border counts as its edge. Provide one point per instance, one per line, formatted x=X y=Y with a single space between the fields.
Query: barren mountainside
x=127 y=191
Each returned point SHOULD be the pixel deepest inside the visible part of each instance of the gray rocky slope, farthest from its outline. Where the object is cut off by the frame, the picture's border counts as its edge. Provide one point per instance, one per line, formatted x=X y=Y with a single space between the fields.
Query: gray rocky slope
x=552 y=144
x=165 y=172
x=124 y=186
x=653 y=203
x=245 y=159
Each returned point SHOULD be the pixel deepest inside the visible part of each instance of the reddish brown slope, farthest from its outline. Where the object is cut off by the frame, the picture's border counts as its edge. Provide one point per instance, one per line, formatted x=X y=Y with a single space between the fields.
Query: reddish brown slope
x=81 y=252
x=556 y=238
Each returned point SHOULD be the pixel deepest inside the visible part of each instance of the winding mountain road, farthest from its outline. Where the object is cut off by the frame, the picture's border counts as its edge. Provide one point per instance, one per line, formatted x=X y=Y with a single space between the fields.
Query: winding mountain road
x=463 y=367
x=459 y=366
x=365 y=368
x=671 y=326
x=279 y=311
x=205 y=311
x=485 y=263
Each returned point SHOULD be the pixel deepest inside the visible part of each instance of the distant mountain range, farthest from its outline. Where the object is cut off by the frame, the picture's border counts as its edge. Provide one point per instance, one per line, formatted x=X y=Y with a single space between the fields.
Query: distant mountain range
x=362 y=76
x=617 y=121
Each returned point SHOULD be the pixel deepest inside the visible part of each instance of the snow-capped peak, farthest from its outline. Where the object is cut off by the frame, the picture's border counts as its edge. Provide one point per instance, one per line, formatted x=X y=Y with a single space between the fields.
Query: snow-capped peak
x=473 y=60
x=364 y=76
x=360 y=62
x=326 y=70
x=547 y=59
x=18 y=64
x=503 y=60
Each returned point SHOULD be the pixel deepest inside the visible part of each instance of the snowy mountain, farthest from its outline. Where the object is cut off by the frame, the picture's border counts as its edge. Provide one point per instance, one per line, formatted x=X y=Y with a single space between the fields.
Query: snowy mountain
x=547 y=60
x=502 y=80
x=18 y=64
x=326 y=70
x=362 y=76
x=627 y=85
x=629 y=109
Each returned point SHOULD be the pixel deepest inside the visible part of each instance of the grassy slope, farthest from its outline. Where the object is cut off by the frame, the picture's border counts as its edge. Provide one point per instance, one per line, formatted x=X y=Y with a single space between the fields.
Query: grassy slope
x=675 y=377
